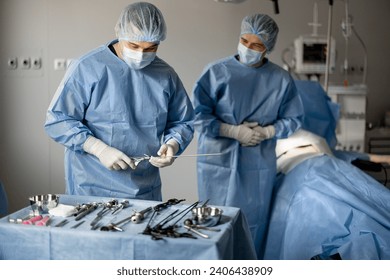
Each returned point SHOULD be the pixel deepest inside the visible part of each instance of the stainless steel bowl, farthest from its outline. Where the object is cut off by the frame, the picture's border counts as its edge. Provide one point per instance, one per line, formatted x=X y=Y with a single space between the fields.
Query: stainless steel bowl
x=207 y=216
x=44 y=202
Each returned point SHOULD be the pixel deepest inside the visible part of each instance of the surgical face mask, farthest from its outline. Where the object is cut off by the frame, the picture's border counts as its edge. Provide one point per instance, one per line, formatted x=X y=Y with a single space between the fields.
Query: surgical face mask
x=249 y=56
x=137 y=60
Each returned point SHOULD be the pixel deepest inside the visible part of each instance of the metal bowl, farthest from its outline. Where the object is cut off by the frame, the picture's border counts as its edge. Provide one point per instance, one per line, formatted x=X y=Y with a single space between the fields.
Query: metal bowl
x=207 y=216
x=44 y=202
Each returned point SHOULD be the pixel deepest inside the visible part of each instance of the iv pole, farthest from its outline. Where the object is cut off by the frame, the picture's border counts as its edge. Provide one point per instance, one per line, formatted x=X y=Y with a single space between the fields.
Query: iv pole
x=328 y=48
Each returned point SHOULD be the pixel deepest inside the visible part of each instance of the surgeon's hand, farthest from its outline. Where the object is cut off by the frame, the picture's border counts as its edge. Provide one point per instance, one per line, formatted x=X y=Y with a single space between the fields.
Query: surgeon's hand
x=244 y=133
x=266 y=132
x=166 y=153
x=110 y=157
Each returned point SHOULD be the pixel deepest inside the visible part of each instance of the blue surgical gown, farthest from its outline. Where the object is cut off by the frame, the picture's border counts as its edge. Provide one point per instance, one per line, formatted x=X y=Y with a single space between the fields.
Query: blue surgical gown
x=131 y=110
x=243 y=177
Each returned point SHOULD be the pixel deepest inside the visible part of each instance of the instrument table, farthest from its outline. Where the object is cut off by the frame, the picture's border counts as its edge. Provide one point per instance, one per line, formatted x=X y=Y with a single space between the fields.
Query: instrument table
x=30 y=242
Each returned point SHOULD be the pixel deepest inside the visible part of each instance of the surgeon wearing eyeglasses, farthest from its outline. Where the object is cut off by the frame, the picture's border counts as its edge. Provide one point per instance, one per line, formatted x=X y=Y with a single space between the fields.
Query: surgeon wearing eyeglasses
x=117 y=102
x=243 y=104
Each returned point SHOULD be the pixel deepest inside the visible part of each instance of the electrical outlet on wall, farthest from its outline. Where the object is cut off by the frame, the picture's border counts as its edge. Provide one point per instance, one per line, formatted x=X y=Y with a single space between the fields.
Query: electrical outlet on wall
x=12 y=63
x=36 y=63
x=59 y=63
x=25 y=62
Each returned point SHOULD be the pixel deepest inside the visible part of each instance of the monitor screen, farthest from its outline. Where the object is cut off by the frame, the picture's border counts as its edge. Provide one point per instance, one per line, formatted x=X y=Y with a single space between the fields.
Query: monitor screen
x=310 y=55
x=315 y=53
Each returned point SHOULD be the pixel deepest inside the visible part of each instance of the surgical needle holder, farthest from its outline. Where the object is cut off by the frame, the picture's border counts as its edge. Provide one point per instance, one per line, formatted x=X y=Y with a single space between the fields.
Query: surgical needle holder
x=120 y=206
x=158 y=231
x=108 y=206
x=90 y=208
x=138 y=160
x=135 y=218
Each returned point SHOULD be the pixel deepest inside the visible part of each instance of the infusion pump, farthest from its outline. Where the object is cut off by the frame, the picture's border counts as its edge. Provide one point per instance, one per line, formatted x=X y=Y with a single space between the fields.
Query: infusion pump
x=351 y=126
x=311 y=52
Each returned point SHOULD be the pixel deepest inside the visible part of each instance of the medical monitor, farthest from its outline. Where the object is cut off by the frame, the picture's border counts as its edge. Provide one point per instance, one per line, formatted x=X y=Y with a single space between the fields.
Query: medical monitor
x=310 y=55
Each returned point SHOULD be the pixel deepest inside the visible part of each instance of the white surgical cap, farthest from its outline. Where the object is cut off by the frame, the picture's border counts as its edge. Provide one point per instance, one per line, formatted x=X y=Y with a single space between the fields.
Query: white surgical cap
x=141 y=21
x=263 y=26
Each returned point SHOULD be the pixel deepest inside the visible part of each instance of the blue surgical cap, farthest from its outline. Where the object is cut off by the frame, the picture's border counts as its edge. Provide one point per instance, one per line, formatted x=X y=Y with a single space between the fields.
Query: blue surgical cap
x=263 y=26
x=141 y=21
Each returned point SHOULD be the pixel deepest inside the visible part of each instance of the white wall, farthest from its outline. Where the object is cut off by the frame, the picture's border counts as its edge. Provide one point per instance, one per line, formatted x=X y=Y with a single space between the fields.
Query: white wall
x=199 y=31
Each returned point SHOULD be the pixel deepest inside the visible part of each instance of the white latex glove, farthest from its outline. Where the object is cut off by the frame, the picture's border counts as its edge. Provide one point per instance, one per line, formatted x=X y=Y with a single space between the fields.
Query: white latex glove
x=242 y=133
x=166 y=153
x=110 y=157
x=265 y=132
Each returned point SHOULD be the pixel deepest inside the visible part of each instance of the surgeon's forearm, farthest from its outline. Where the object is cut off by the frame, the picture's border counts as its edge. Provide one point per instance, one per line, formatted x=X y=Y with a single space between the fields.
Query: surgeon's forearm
x=67 y=131
x=286 y=127
x=182 y=134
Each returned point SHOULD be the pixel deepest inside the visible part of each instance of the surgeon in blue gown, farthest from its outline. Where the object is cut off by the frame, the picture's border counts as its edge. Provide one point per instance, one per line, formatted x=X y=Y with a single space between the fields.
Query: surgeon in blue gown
x=243 y=103
x=117 y=102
